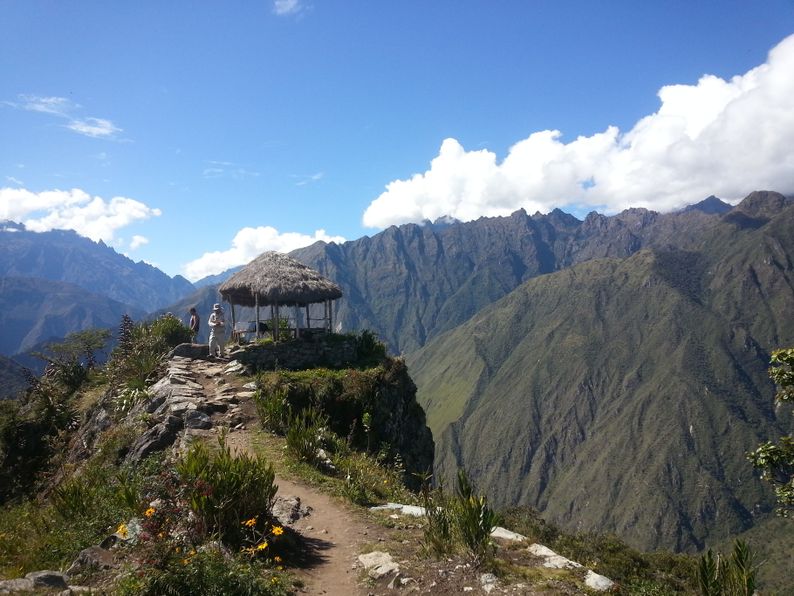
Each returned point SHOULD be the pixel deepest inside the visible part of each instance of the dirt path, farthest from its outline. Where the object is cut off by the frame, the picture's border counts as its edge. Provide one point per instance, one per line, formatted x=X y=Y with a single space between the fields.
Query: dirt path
x=332 y=535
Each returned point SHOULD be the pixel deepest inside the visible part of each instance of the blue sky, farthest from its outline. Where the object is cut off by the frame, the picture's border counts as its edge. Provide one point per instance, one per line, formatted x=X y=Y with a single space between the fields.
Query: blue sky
x=194 y=135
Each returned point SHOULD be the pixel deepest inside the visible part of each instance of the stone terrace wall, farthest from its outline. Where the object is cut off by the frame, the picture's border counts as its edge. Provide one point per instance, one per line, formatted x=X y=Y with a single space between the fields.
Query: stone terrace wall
x=332 y=352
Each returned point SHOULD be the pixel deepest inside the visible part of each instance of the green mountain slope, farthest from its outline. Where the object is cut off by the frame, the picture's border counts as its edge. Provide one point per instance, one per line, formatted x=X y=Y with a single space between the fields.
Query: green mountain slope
x=622 y=394
x=411 y=283
x=12 y=378
x=33 y=311
x=65 y=256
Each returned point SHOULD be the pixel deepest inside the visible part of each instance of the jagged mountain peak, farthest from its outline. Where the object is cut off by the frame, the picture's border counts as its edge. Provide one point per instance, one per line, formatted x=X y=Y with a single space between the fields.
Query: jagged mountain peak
x=711 y=205
x=763 y=203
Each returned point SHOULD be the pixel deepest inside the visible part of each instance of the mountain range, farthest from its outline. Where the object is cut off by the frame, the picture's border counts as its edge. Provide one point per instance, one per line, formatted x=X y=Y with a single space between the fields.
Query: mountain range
x=550 y=352
x=54 y=283
x=65 y=256
x=610 y=371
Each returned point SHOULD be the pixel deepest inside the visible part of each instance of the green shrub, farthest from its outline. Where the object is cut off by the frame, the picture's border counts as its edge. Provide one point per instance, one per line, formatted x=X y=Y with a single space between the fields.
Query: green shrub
x=305 y=435
x=172 y=331
x=224 y=490
x=81 y=510
x=463 y=521
x=274 y=409
x=728 y=576
x=473 y=521
x=142 y=348
x=437 y=530
x=207 y=573
x=370 y=351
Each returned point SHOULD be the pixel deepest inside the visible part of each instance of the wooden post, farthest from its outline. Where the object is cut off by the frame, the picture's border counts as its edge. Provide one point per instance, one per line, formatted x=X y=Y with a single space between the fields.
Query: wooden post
x=278 y=324
x=256 y=302
x=331 y=316
x=273 y=322
x=308 y=319
x=233 y=320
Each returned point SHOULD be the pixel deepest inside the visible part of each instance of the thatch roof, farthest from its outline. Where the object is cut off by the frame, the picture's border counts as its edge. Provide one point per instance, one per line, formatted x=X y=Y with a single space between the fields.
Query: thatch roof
x=278 y=279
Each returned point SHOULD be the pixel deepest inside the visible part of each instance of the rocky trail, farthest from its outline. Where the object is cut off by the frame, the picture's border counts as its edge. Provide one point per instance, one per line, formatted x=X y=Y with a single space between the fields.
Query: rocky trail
x=344 y=550
x=332 y=535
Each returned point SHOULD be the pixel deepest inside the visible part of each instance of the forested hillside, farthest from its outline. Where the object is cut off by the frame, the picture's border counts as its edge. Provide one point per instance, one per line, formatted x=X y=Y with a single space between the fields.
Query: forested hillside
x=623 y=394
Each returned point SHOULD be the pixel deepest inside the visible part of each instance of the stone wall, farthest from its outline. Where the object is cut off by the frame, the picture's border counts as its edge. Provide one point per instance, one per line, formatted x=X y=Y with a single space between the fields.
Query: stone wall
x=332 y=352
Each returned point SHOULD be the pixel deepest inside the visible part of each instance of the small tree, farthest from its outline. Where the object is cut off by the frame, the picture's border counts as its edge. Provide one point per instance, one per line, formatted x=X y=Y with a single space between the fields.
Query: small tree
x=776 y=460
x=70 y=361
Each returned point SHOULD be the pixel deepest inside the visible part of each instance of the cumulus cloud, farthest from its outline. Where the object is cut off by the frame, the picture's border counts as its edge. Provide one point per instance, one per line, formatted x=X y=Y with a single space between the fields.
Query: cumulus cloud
x=722 y=137
x=249 y=243
x=93 y=217
x=138 y=241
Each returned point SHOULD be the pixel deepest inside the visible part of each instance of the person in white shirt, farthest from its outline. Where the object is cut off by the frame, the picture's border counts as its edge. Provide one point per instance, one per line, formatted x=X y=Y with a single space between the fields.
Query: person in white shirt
x=217 y=326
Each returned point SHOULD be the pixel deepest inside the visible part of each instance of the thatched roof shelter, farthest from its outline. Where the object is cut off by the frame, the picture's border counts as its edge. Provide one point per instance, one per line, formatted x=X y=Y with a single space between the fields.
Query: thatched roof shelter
x=276 y=279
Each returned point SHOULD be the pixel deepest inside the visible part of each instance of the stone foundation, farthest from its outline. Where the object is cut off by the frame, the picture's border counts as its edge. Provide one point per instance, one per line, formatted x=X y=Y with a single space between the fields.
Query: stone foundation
x=331 y=352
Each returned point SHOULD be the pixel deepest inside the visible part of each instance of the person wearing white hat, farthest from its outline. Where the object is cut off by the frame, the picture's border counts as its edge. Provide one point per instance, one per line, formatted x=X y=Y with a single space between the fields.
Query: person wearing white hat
x=217 y=326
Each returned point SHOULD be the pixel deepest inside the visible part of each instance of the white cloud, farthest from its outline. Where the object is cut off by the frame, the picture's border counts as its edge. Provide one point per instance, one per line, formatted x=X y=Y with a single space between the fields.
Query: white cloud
x=93 y=217
x=60 y=106
x=220 y=169
x=249 y=243
x=287 y=7
x=719 y=137
x=94 y=127
x=14 y=180
x=63 y=107
x=304 y=180
x=138 y=241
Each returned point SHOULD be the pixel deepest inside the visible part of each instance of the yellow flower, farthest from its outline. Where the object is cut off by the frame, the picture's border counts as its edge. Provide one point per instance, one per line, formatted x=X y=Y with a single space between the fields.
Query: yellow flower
x=184 y=561
x=261 y=546
x=149 y=512
x=250 y=522
x=279 y=568
x=278 y=530
x=277 y=559
x=122 y=531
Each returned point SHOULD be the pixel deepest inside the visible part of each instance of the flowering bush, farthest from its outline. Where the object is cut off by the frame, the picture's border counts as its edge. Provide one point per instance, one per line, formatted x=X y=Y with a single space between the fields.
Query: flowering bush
x=223 y=490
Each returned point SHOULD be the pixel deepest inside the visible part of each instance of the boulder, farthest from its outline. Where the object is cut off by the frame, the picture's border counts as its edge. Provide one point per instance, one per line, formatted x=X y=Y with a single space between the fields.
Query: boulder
x=196 y=419
x=378 y=564
x=597 y=582
x=156 y=438
x=48 y=579
x=93 y=557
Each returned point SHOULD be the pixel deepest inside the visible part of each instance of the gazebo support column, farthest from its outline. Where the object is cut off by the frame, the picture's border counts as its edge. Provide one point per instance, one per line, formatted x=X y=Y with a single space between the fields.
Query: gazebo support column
x=330 y=316
x=234 y=325
x=256 y=302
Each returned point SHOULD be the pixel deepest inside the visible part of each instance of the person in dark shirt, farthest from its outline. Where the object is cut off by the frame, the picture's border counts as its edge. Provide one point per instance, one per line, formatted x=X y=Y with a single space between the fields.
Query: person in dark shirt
x=195 y=323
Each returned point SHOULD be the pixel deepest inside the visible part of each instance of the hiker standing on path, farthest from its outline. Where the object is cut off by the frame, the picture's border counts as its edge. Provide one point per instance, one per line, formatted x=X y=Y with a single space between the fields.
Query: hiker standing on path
x=195 y=322
x=217 y=330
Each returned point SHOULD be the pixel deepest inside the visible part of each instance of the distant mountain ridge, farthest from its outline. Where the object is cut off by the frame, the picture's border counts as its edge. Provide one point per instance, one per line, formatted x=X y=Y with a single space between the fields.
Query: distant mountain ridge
x=34 y=311
x=445 y=274
x=65 y=256
x=623 y=393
